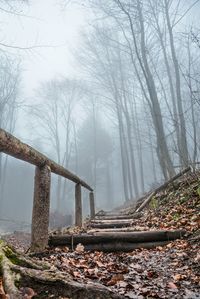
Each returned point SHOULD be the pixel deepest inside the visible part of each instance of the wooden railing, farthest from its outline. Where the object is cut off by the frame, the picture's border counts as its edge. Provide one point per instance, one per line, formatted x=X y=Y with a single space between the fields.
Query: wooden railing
x=12 y=146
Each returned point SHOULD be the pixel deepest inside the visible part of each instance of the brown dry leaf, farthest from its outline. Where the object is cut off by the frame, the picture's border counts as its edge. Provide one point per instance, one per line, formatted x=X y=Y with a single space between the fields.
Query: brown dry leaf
x=115 y=279
x=27 y=293
x=99 y=264
x=182 y=254
x=57 y=249
x=172 y=285
x=159 y=248
x=65 y=249
x=90 y=271
x=170 y=245
x=76 y=274
x=177 y=277
x=1 y=287
x=122 y=284
x=79 y=248
x=82 y=264
x=197 y=258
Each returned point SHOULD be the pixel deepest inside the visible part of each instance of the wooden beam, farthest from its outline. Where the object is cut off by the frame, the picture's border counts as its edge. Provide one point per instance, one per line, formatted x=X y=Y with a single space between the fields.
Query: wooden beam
x=127 y=237
x=14 y=147
x=92 y=206
x=41 y=206
x=119 y=216
x=78 y=206
x=123 y=246
x=108 y=221
x=110 y=225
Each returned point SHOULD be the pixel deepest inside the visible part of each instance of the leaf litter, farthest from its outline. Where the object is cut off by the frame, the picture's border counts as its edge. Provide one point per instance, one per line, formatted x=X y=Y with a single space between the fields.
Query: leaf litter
x=171 y=271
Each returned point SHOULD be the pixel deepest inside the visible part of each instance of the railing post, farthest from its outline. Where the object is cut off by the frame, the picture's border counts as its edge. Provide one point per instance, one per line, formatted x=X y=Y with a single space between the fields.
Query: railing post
x=41 y=206
x=92 y=206
x=78 y=205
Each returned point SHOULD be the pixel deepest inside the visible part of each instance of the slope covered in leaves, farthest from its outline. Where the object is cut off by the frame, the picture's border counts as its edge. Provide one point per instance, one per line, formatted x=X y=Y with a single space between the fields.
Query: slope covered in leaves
x=178 y=206
x=171 y=271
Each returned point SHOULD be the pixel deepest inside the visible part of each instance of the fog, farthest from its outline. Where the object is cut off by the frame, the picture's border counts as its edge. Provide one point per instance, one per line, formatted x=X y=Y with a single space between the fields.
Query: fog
x=107 y=89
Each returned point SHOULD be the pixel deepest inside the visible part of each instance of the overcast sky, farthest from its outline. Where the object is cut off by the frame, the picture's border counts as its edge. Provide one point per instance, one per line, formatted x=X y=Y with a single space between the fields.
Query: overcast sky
x=49 y=24
x=57 y=29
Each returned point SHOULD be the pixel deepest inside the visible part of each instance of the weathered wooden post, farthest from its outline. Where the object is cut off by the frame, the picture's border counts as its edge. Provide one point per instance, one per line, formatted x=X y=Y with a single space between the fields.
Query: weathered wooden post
x=41 y=205
x=78 y=206
x=92 y=205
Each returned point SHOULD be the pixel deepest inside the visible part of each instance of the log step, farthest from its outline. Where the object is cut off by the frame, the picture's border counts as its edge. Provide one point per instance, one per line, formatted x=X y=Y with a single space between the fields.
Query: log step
x=117 y=217
x=123 y=247
x=110 y=225
x=108 y=221
x=114 y=239
x=113 y=230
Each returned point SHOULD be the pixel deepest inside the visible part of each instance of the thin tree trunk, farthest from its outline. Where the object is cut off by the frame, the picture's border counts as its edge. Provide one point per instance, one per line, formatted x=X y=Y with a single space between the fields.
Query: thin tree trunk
x=194 y=125
x=129 y=132
x=163 y=152
x=184 y=149
x=123 y=161
x=171 y=86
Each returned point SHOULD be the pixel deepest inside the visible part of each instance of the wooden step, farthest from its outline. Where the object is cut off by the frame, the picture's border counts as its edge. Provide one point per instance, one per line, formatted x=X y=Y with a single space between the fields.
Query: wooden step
x=110 y=241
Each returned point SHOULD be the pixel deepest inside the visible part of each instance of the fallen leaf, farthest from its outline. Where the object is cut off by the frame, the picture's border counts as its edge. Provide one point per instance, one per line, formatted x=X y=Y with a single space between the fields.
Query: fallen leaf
x=172 y=285
x=79 y=248
x=27 y=293
x=115 y=279
x=99 y=264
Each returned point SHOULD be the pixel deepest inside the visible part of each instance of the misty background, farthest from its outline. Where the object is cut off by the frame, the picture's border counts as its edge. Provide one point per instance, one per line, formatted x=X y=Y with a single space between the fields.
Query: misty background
x=108 y=89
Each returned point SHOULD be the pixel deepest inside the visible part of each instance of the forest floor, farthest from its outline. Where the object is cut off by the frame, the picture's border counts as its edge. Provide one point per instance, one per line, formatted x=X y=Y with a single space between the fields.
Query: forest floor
x=171 y=271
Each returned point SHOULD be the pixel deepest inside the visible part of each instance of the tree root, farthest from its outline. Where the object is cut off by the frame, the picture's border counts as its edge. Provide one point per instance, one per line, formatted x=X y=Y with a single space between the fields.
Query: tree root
x=22 y=273
x=9 y=277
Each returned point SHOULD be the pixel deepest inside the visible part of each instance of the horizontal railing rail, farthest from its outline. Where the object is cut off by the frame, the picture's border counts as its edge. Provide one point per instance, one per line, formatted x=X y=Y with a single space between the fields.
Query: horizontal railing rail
x=12 y=146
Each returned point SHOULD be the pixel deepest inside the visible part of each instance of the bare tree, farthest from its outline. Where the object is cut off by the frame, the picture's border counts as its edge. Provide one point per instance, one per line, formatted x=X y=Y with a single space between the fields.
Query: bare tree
x=182 y=141
x=54 y=114
x=9 y=104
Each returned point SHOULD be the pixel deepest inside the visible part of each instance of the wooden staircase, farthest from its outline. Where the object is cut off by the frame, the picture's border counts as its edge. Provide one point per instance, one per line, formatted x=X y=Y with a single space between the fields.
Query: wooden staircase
x=113 y=233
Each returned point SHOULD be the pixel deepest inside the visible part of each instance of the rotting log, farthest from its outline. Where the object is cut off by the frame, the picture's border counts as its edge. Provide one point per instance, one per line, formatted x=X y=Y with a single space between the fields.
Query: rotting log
x=41 y=206
x=14 y=147
x=92 y=205
x=110 y=221
x=114 y=230
x=118 y=216
x=78 y=206
x=160 y=188
x=123 y=246
x=118 y=237
x=110 y=225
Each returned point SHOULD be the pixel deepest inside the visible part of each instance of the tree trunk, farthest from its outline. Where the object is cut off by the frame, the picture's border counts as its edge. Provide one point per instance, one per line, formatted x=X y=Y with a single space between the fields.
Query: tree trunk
x=183 y=139
x=163 y=152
